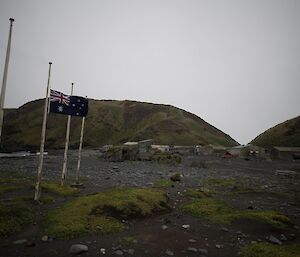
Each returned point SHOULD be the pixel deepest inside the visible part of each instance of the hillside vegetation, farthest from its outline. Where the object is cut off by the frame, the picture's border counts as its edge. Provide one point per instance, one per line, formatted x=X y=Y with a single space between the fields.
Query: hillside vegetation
x=109 y=122
x=283 y=134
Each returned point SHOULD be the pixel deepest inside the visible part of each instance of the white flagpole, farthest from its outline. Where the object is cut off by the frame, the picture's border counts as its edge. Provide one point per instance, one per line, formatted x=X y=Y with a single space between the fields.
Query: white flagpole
x=43 y=135
x=64 y=170
x=79 y=152
x=3 y=89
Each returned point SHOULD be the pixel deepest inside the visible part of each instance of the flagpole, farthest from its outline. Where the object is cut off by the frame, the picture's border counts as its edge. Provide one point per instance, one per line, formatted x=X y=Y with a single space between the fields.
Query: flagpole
x=79 y=151
x=3 y=89
x=64 y=170
x=41 y=157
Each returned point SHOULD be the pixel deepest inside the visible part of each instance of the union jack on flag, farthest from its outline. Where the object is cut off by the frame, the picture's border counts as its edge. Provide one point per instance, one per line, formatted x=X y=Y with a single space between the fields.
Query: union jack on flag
x=56 y=96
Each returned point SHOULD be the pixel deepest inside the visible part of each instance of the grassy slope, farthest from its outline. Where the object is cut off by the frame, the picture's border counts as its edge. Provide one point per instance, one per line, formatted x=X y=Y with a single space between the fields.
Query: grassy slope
x=283 y=134
x=110 y=122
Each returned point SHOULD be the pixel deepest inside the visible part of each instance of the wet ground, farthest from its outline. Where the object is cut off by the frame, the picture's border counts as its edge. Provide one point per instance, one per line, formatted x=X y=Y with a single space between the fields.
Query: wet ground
x=164 y=234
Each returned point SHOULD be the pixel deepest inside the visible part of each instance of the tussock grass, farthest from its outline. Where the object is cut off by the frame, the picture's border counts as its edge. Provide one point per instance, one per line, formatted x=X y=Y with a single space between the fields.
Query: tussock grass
x=164 y=183
x=218 y=211
x=270 y=250
x=104 y=212
x=59 y=190
x=13 y=216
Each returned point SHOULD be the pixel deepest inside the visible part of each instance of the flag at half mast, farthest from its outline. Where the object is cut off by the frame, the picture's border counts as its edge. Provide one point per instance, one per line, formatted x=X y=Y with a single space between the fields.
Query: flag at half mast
x=68 y=105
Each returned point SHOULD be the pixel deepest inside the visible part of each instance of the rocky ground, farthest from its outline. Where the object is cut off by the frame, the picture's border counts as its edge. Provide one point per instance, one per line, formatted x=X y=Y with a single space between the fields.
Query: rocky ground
x=243 y=184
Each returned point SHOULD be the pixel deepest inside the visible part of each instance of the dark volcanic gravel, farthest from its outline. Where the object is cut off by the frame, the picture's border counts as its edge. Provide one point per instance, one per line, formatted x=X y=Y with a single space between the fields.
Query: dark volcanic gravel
x=151 y=240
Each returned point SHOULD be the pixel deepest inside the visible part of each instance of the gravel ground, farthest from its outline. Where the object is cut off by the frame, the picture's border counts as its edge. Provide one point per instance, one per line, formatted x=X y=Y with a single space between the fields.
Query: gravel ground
x=201 y=238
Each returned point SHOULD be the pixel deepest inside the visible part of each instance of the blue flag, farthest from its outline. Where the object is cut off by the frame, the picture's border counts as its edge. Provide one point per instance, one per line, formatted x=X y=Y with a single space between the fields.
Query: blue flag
x=68 y=105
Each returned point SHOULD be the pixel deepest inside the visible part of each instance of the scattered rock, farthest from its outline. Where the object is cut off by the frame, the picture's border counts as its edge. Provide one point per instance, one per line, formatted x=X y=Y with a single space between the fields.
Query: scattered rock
x=130 y=251
x=20 y=242
x=119 y=252
x=192 y=249
x=169 y=253
x=45 y=238
x=164 y=227
x=102 y=250
x=274 y=240
x=78 y=249
x=219 y=246
x=203 y=251
x=283 y=237
x=225 y=229
x=192 y=240
x=186 y=226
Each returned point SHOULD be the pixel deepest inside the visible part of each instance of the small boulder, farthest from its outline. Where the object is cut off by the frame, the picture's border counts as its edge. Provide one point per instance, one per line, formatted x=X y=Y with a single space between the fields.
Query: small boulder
x=274 y=240
x=78 y=249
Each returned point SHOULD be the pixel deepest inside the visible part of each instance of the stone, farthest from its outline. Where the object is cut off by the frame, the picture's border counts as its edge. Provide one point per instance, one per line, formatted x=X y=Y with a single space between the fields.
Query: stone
x=169 y=253
x=78 y=249
x=203 y=251
x=192 y=249
x=283 y=237
x=102 y=250
x=20 y=242
x=186 y=226
x=218 y=246
x=225 y=229
x=45 y=238
x=192 y=240
x=119 y=252
x=274 y=240
x=164 y=227
x=130 y=251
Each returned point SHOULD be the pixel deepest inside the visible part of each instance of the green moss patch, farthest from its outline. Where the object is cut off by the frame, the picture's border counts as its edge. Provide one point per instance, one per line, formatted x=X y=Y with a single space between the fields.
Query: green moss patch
x=199 y=193
x=127 y=241
x=218 y=211
x=58 y=189
x=163 y=183
x=13 y=216
x=104 y=212
x=7 y=188
x=270 y=250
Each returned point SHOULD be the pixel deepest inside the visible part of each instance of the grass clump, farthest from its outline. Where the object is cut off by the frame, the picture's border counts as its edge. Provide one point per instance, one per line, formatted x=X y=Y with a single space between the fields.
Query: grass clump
x=163 y=183
x=199 y=193
x=170 y=158
x=13 y=216
x=59 y=190
x=271 y=250
x=104 y=212
x=218 y=211
x=127 y=241
x=176 y=177
x=7 y=188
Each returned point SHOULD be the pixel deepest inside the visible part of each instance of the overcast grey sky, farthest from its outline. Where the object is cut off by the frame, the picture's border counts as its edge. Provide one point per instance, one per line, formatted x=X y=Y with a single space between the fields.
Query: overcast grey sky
x=234 y=63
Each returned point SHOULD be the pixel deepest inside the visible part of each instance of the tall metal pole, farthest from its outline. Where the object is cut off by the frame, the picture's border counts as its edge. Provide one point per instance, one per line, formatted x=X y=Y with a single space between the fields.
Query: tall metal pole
x=64 y=170
x=3 y=89
x=43 y=135
x=79 y=152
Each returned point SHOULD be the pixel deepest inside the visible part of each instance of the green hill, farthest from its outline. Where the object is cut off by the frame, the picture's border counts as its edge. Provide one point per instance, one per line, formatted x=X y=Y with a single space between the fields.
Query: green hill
x=283 y=134
x=109 y=122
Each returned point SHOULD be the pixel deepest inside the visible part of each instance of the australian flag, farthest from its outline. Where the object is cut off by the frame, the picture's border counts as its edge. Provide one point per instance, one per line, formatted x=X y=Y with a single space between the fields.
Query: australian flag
x=68 y=105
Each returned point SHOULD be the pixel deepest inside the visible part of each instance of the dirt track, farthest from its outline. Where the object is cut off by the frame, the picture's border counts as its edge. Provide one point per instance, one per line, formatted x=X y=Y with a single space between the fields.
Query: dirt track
x=269 y=192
